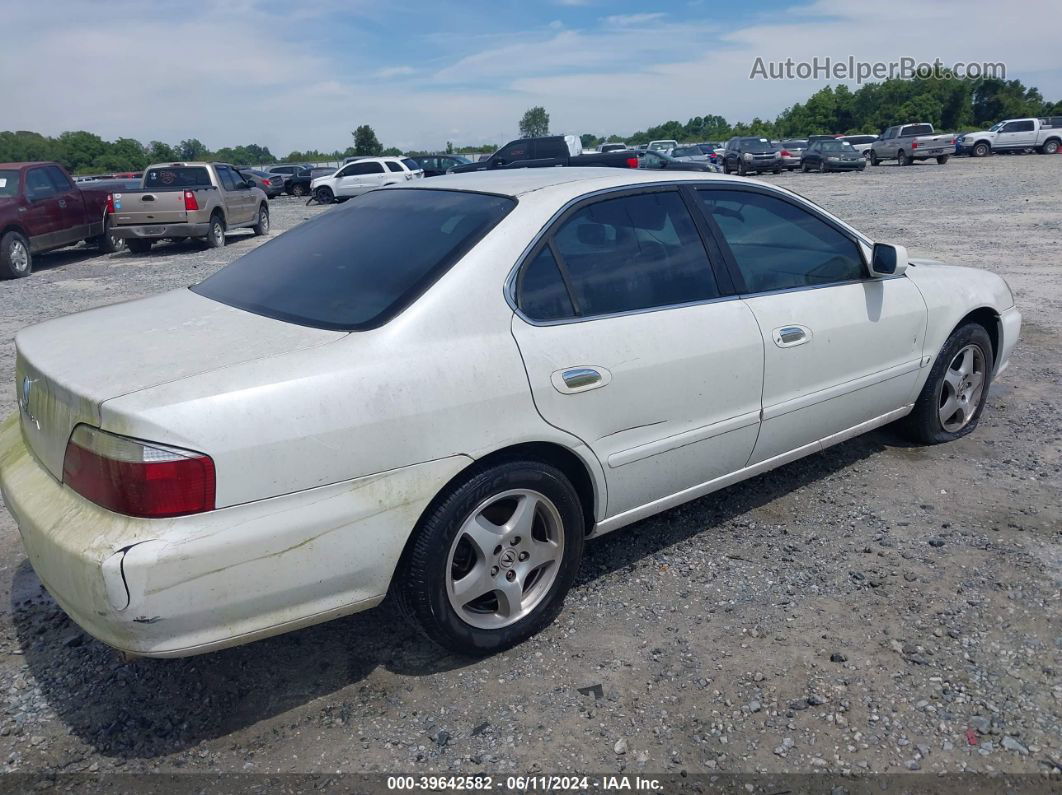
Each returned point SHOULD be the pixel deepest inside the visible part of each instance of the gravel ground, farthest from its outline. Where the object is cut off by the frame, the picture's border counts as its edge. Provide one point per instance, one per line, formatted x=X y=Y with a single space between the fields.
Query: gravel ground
x=877 y=607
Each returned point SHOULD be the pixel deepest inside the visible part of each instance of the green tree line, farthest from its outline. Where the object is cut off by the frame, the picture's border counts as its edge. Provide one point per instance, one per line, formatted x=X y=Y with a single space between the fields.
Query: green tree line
x=950 y=105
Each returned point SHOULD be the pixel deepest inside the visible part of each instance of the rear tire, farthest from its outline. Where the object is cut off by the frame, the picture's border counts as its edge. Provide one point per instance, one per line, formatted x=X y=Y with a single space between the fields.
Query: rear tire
x=951 y=391
x=107 y=243
x=472 y=534
x=139 y=245
x=902 y=159
x=16 y=261
x=216 y=236
x=299 y=190
x=1050 y=147
x=262 y=227
x=943 y=159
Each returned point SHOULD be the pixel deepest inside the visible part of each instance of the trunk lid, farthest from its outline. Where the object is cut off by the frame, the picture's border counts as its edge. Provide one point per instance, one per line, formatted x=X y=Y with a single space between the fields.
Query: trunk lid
x=66 y=368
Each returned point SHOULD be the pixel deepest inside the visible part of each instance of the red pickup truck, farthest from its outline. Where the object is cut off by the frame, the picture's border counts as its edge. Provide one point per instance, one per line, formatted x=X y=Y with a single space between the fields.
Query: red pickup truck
x=42 y=209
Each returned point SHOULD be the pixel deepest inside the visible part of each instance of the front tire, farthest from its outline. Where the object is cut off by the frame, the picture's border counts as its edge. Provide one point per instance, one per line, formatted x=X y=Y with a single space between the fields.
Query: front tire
x=741 y=170
x=982 y=150
x=324 y=195
x=16 y=260
x=262 y=227
x=490 y=563
x=955 y=393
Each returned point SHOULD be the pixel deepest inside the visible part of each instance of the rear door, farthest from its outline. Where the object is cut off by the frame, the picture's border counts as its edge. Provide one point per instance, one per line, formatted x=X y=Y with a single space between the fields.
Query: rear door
x=633 y=344
x=841 y=348
x=396 y=173
x=72 y=223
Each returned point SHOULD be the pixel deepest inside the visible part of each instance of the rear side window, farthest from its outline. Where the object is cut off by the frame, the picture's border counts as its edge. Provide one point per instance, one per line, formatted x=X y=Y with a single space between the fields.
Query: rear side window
x=357 y=266
x=777 y=245
x=411 y=164
x=177 y=177
x=392 y=166
x=517 y=150
x=541 y=292
x=633 y=252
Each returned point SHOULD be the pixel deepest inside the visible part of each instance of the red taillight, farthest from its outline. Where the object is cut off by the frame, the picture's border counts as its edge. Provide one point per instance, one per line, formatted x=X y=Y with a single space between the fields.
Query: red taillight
x=190 y=201
x=785 y=153
x=137 y=478
x=110 y=203
x=914 y=144
x=632 y=162
x=266 y=182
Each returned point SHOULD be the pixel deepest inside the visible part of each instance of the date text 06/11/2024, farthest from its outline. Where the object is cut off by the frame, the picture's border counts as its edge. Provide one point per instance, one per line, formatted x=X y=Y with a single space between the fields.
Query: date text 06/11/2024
x=541 y=783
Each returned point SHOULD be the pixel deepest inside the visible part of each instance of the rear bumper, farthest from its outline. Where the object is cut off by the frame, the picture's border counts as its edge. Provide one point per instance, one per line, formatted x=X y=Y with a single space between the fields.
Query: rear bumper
x=176 y=587
x=158 y=231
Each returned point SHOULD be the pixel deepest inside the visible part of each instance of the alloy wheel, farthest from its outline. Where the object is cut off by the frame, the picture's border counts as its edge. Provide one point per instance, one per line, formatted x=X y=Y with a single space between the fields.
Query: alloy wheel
x=961 y=388
x=505 y=558
x=20 y=258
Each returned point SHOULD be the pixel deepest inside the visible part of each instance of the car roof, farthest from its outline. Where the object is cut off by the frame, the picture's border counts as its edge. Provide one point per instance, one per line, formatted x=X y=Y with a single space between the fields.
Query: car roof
x=523 y=181
x=21 y=166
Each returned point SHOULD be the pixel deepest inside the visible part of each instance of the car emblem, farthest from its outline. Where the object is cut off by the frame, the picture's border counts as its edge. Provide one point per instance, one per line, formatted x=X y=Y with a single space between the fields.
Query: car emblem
x=24 y=400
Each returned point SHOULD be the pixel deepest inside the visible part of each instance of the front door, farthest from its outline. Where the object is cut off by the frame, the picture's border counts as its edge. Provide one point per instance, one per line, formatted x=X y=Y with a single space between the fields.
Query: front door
x=632 y=344
x=840 y=348
x=42 y=217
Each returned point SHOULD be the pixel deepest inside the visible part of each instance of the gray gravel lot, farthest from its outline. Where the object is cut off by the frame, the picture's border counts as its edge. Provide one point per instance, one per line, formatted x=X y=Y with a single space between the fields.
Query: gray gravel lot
x=878 y=607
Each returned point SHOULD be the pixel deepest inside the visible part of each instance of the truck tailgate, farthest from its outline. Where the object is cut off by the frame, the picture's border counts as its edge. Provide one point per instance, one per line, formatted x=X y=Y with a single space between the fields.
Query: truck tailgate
x=147 y=207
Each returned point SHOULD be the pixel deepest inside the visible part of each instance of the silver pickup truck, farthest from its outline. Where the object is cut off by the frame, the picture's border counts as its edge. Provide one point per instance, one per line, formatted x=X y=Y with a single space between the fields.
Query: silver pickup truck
x=906 y=143
x=188 y=200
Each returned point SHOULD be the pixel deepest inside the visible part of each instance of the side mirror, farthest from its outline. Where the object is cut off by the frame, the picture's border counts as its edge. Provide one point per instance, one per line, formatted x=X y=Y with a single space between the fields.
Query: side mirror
x=248 y=184
x=888 y=260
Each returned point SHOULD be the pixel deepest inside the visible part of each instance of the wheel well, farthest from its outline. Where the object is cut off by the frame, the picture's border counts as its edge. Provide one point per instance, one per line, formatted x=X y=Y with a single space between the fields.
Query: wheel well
x=12 y=228
x=989 y=319
x=219 y=213
x=1054 y=138
x=564 y=460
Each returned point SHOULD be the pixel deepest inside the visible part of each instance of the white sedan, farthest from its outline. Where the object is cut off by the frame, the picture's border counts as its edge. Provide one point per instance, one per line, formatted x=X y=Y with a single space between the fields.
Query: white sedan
x=442 y=389
x=363 y=175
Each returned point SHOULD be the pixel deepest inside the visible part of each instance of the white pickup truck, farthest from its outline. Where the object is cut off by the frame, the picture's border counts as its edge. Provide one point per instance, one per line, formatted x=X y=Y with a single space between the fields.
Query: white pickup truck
x=1014 y=135
x=906 y=143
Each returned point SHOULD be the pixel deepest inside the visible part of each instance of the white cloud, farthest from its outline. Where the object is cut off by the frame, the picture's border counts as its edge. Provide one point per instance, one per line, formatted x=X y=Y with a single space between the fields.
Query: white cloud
x=626 y=20
x=233 y=74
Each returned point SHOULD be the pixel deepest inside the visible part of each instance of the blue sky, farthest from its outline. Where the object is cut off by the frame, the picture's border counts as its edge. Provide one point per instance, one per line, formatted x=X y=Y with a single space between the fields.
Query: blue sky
x=298 y=74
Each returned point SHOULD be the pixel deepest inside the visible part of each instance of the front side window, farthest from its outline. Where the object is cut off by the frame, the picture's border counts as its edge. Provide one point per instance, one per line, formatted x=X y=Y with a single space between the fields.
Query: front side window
x=359 y=265
x=777 y=245
x=630 y=253
x=59 y=179
x=38 y=186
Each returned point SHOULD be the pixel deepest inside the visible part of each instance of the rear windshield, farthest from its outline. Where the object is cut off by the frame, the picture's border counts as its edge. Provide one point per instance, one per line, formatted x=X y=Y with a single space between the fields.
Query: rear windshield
x=795 y=144
x=917 y=129
x=8 y=183
x=177 y=177
x=359 y=265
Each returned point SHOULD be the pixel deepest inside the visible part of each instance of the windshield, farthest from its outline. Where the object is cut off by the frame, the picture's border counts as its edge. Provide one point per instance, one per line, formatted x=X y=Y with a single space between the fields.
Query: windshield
x=795 y=144
x=757 y=145
x=8 y=183
x=996 y=127
x=836 y=146
x=686 y=151
x=357 y=266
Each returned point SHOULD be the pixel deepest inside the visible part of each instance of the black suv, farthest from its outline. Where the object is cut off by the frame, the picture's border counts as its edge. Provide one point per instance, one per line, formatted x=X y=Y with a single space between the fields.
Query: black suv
x=751 y=155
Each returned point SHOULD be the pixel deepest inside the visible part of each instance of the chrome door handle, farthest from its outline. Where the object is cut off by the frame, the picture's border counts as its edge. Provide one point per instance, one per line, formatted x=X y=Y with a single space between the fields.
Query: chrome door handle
x=790 y=336
x=580 y=379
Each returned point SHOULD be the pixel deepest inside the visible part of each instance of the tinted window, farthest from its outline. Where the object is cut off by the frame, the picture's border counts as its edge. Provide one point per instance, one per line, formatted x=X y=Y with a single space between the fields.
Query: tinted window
x=517 y=150
x=778 y=245
x=392 y=166
x=358 y=265
x=540 y=292
x=634 y=252
x=58 y=178
x=410 y=163
x=358 y=169
x=38 y=185
x=177 y=177
x=8 y=182
x=1019 y=126
x=917 y=129
x=228 y=179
